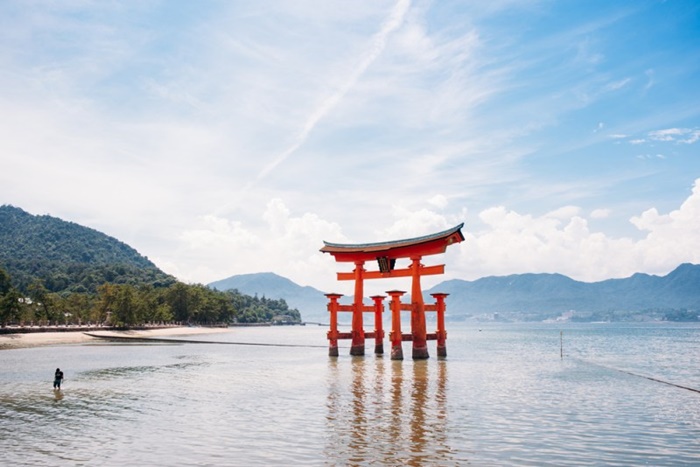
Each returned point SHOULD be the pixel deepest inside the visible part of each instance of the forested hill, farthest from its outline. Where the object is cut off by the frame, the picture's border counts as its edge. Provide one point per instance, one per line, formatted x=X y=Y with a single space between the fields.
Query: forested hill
x=68 y=257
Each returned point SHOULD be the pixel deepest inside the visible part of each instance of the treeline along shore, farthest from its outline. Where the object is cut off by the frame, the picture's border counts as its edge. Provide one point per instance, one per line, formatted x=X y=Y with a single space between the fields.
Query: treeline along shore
x=132 y=305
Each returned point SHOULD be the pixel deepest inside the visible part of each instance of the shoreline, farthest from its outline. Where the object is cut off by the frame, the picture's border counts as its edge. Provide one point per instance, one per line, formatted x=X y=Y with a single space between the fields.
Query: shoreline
x=42 y=339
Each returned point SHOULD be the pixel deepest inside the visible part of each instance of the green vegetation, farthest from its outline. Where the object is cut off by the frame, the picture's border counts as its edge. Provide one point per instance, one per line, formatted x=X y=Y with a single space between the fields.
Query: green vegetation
x=682 y=315
x=67 y=257
x=129 y=305
x=57 y=272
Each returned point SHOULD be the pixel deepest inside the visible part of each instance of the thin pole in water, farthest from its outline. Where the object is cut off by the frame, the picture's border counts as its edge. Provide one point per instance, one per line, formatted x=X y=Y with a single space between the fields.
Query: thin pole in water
x=561 y=344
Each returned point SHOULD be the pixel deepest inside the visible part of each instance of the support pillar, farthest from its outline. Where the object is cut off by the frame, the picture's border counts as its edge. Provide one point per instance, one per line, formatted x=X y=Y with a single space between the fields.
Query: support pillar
x=418 y=328
x=333 y=332
x=441 y=331
x=358 y=333
x=395 y=335
x=378 y=325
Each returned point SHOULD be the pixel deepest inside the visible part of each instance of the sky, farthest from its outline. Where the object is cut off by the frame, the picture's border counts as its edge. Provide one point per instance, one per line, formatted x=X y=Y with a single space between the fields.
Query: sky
x=220 y=138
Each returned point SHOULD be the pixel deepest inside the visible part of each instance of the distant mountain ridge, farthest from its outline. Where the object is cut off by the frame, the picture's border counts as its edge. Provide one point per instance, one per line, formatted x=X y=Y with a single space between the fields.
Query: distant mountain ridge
x=310 y=302
x=517 y=296
x=541 y=296
x=68 y=257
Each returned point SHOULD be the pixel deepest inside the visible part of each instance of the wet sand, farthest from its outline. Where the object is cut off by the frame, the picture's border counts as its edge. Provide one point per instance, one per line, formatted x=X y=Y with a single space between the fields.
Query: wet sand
x=37 y=339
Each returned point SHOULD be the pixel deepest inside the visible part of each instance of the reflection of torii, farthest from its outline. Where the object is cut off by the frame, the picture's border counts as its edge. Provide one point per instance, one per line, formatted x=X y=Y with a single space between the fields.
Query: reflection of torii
x=386 y=254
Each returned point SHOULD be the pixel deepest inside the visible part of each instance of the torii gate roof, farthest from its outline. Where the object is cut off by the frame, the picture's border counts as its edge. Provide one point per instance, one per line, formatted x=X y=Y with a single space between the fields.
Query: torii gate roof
x=432 y=244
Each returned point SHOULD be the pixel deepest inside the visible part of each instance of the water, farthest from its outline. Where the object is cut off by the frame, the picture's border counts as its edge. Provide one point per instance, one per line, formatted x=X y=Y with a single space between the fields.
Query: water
x=503 y=397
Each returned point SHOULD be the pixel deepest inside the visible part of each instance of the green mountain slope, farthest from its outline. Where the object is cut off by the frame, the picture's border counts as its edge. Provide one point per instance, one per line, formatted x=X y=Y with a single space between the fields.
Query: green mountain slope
x=68 y=257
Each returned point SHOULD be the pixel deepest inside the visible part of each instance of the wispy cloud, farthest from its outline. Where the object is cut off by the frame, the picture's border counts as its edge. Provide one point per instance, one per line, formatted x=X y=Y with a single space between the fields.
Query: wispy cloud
x=678 y=135
x=374 y=50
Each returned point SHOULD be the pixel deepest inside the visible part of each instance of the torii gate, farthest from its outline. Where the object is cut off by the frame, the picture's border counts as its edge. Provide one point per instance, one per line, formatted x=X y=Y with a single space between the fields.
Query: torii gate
x=386 y=254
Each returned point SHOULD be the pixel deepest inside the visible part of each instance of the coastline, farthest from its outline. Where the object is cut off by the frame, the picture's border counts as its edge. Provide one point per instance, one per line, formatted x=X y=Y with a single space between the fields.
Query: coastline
x=40 y=339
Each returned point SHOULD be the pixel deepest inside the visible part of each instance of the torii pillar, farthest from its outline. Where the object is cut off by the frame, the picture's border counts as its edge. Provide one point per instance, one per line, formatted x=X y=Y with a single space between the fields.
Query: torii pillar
x=358 y=333
x=418 y=328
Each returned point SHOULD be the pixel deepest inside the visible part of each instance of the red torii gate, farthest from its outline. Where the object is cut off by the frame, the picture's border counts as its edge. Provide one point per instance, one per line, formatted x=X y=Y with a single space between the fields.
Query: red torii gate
x=386 y=254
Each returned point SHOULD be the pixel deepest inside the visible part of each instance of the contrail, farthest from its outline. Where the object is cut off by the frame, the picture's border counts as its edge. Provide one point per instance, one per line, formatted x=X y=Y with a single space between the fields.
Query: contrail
x=377 y=47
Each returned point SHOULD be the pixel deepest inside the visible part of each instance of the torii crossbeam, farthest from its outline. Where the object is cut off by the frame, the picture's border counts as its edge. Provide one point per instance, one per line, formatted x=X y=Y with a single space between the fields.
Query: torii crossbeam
x=386 y=254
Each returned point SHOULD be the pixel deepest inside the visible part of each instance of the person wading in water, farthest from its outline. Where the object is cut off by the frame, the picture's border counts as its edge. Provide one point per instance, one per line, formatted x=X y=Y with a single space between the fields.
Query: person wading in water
x=57 y=379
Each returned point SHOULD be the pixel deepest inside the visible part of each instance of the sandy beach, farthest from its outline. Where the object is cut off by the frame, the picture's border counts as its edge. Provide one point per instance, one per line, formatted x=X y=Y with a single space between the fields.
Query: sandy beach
x=36 y=339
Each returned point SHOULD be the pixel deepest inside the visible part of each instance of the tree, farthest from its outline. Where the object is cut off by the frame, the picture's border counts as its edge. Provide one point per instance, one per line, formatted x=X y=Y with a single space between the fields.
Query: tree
x=5 y=282
x=43 y=302
x=10 y=308
x=178 y=298
x=126 y=307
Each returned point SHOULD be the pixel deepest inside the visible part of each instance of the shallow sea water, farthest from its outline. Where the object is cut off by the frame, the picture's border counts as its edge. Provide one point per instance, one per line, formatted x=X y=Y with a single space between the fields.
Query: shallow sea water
x=504 y=396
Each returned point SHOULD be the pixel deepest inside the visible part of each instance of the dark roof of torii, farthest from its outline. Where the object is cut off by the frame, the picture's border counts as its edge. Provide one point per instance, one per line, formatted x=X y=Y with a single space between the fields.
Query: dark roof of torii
x=426 y=245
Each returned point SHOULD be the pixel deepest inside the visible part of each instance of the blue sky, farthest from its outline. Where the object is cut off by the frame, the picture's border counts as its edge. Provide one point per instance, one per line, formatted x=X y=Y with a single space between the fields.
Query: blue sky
x=222 y=138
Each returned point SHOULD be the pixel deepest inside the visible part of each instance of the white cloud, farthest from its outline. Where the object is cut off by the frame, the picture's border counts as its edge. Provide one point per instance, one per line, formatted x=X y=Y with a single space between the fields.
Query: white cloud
x=693 y=136
x=514 y=243
x=564 y=212
x=650 y=156
x=285 y=244
x=669 y=134
x=671 y=238
x=600 y=213
x=439 y=201
x=679 y=135
x=650 y=79
x=614 y=86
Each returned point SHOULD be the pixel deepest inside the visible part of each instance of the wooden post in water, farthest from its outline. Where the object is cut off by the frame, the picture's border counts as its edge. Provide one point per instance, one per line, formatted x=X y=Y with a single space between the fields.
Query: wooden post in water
x=378 y=325
x=333 y=332
x=357 y=347
x=395 y=335
x=441 y=331
x=418 y=329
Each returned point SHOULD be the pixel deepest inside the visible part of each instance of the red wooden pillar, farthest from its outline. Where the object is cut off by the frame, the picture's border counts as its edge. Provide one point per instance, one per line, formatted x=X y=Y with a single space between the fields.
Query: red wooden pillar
x=441 y=332
x=418 y=329
x=358 y=333
x=333 y=332
x=395 y=335
x=378 y=325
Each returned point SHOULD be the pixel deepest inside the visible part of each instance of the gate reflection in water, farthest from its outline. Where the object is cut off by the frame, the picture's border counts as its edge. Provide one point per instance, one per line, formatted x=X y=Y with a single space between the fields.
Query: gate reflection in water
x=390 y=411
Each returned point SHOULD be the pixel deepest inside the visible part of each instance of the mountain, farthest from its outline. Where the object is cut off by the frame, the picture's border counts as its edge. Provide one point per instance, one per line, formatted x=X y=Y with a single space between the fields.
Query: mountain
x=517 y=297
x=310 y=302
x=68 y=257
x=545 y=296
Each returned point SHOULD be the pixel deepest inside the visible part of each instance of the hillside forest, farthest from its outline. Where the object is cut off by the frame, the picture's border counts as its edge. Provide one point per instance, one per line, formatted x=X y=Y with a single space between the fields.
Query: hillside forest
x=58 y=272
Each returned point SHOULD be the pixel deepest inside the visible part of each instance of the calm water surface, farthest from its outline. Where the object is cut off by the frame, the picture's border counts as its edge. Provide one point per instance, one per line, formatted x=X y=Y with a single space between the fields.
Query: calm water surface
x=504 y=396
